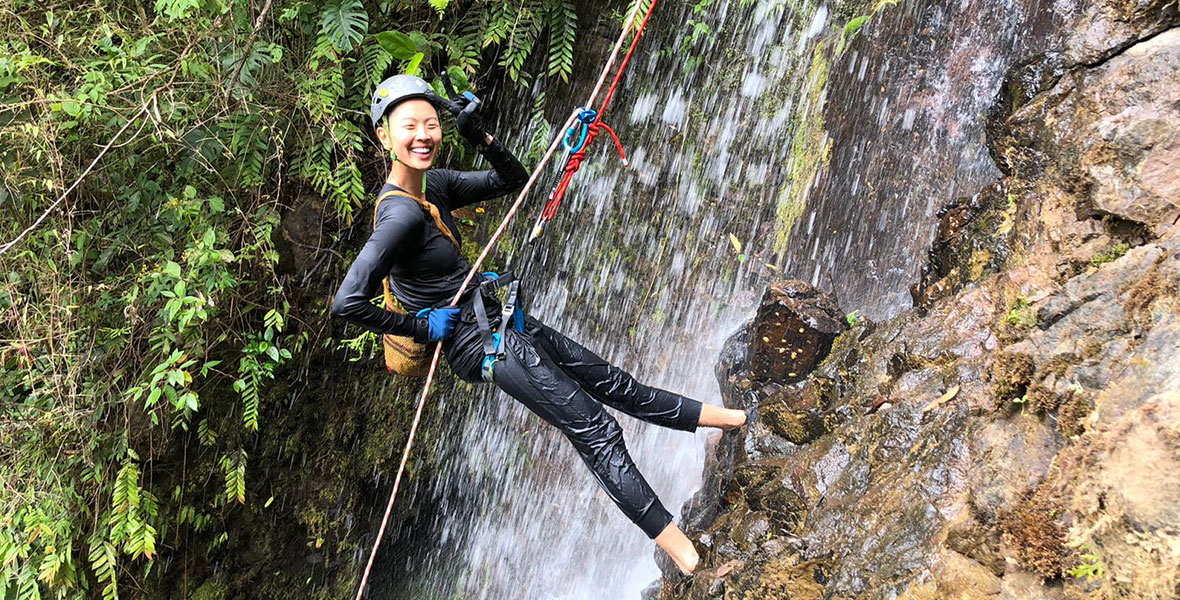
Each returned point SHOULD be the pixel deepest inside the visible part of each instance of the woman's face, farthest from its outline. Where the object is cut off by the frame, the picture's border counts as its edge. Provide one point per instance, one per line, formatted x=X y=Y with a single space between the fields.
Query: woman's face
x=414 y=133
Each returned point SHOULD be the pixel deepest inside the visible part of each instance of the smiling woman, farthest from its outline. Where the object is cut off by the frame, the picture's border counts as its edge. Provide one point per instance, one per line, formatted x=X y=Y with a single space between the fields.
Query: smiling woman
x=412 y=133
x=415 y=245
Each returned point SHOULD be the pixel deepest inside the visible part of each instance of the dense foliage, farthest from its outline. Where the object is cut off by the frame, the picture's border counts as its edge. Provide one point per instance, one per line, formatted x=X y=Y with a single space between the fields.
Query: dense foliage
x=142 y=320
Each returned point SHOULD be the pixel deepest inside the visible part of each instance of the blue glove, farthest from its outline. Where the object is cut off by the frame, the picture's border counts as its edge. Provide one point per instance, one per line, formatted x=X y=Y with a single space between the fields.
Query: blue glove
x=440 y=322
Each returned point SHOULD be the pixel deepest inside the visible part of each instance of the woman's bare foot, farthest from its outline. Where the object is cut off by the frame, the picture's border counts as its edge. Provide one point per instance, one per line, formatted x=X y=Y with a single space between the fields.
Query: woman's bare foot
x=679 y=548
x=724 y=418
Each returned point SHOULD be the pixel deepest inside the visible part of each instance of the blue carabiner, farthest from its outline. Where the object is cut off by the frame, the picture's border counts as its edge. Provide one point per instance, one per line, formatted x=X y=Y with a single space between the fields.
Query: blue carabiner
x=585 y=118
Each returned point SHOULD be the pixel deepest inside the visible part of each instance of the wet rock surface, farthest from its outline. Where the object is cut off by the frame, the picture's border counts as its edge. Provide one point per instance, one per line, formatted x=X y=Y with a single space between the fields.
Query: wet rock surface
x=792 y=331
x=1018 y=434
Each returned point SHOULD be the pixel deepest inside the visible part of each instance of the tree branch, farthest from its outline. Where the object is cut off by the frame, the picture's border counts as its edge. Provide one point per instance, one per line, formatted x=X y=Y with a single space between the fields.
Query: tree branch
x=245 y=53
x=142 y=110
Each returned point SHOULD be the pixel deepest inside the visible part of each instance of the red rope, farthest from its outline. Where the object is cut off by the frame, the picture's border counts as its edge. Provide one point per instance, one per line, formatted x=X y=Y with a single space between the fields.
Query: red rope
x=575 y=160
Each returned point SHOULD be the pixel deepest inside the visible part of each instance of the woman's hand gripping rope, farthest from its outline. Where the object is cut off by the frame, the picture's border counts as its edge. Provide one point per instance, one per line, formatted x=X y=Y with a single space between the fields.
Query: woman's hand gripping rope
x=440 y=322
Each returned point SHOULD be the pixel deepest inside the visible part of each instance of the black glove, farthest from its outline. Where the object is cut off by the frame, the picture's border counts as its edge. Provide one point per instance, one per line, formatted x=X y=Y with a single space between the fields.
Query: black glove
x=471 y=126
x=467 y=118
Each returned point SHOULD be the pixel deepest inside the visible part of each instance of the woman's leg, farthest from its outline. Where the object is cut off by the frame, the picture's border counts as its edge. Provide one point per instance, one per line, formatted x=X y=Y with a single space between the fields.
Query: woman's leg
x=528 y=374
x=618 y=389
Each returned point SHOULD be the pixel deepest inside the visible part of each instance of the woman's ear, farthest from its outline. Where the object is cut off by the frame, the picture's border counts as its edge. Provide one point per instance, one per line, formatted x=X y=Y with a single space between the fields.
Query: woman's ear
x=383 y=137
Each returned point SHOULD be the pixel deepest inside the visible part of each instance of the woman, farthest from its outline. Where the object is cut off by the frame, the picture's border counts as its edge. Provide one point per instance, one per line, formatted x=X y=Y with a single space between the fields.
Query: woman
x=559 y=380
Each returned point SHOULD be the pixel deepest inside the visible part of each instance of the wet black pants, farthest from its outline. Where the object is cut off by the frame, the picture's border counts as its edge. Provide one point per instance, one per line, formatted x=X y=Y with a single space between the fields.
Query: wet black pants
x=566 y=385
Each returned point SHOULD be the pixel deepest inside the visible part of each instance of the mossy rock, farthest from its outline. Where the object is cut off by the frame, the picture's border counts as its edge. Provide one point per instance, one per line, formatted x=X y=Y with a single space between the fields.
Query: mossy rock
x=799 y=427
x=1033 y=531
x=1011 y=373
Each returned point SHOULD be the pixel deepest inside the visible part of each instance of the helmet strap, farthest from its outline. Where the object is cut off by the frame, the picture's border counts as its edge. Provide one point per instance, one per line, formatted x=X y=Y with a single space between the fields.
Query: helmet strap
x=389 y=136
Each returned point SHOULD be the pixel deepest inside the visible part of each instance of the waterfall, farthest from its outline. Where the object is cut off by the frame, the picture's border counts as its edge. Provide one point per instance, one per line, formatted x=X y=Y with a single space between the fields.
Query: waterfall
x=767 y=139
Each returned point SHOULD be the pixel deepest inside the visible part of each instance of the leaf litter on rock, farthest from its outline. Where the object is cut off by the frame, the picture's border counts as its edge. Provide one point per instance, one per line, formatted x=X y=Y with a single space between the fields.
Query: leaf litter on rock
x=950 y=393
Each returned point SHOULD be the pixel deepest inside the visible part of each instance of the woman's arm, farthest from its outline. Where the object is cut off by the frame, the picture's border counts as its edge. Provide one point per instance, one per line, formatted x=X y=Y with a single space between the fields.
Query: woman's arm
x=397 y=223
x=469 y=187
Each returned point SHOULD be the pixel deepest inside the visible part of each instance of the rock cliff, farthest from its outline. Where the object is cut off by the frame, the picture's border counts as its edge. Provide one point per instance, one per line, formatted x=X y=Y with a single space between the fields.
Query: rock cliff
x=1017 y=433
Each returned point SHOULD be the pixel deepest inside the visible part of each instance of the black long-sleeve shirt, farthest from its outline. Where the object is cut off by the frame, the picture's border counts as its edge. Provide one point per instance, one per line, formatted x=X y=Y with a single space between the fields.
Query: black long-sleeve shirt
x=425 y=269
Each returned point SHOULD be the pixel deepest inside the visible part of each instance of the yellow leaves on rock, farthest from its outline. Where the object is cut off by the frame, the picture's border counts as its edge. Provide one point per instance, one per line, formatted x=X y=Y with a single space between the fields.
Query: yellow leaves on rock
x=951 y=393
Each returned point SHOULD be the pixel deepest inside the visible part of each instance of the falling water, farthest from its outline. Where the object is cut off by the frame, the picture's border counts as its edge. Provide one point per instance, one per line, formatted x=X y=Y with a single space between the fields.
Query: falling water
x=749 y=125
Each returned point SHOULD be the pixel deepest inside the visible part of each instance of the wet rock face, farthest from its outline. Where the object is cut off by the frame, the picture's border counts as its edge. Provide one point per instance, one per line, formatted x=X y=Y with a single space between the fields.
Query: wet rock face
x=1111 y=132
x=1105 y=28
x=792 y=331
x=1018 y=436
x=971 y=241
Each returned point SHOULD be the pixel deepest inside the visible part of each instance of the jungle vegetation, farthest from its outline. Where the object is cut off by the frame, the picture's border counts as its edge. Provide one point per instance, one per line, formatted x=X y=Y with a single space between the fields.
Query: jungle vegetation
x=148 y=151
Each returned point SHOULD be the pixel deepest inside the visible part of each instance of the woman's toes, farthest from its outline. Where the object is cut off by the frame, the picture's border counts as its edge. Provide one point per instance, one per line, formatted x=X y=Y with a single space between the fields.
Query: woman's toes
x=735 y=418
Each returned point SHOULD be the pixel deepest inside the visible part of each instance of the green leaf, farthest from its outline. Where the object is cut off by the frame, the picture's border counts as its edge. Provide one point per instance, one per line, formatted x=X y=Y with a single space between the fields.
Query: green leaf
x=345 y=22
x=412 y=67
x=854 y=25
x=440 y=6
x=737 y=244
x=458 y=79
x=397 y=44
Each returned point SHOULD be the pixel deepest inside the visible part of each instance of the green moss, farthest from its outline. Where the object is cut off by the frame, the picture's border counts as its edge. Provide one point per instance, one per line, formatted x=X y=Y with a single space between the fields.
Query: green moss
x=1111 y=254
x=1020 y=313
x=809 y=150
x=211 y=589
x=1011 y=373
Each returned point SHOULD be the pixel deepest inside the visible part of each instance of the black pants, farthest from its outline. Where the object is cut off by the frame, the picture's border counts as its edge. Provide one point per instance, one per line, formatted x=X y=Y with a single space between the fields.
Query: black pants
x=566 y=385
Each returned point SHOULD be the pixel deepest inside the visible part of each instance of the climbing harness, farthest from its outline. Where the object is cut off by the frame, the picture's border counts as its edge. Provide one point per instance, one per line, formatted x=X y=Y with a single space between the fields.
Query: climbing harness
x=493 y=342
x=573 y=161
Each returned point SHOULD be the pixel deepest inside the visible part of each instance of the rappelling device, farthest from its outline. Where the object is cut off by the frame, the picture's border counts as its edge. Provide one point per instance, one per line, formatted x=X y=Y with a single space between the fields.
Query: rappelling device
x=577 y=137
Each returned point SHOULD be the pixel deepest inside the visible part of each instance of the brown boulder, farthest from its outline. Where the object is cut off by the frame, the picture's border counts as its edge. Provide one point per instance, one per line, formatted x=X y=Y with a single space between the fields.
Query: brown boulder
x=792 y=332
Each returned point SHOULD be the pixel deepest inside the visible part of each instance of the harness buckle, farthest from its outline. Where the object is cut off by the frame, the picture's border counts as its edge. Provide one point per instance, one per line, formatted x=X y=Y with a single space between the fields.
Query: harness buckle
x=493 y=342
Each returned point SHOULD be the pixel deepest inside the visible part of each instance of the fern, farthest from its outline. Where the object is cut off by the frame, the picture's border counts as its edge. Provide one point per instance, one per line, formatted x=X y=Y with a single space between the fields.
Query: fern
x=206 y=434
x=464 y=51
x=348 y=189
x=499 y=23
x=345 y=22
x=252 y=64
x=563 y=24
x=541 y=130
x=375 y=60
x=440 y=6
x=103 y=562
x=26 y=585
x=249 y=145
x=131 y=510
x=234 y=470
x=522 y=39
x=248 y=387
